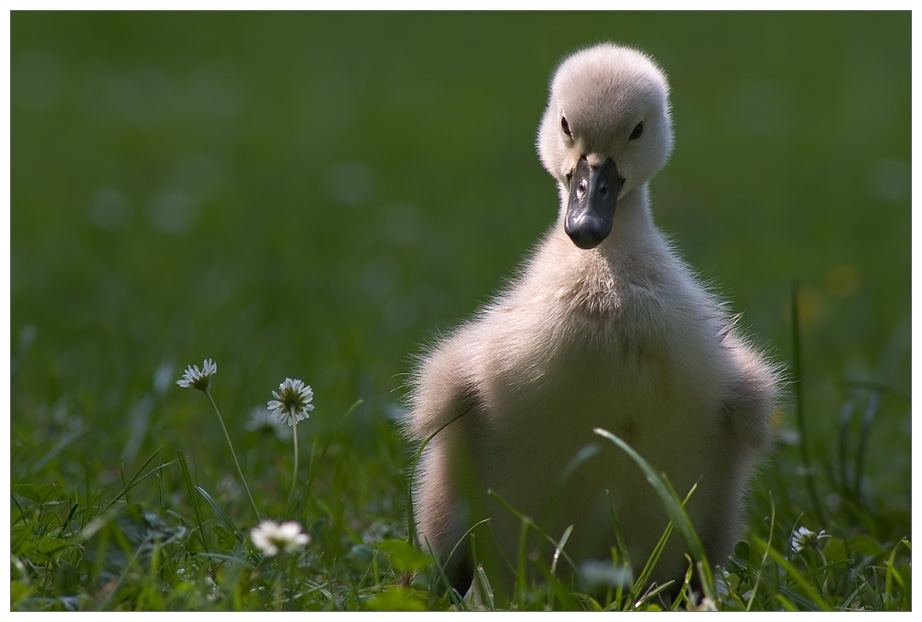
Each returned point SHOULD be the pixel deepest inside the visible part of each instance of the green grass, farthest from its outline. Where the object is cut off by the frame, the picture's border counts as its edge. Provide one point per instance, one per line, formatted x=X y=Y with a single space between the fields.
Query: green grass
x=315 y=196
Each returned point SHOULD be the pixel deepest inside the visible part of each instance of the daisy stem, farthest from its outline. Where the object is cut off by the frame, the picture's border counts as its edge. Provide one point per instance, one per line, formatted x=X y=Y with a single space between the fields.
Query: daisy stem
x=294 y=475
x=233 y=453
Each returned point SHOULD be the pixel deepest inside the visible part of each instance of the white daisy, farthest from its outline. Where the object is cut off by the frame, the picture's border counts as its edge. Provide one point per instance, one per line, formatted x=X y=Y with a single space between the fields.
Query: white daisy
x=264 y=422
x=271 y=538
x=803 y=538
x=195 y=379
x=292 y=401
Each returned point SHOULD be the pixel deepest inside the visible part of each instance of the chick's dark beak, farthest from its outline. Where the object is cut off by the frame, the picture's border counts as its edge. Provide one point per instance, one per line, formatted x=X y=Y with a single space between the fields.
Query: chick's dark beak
x=593 y=194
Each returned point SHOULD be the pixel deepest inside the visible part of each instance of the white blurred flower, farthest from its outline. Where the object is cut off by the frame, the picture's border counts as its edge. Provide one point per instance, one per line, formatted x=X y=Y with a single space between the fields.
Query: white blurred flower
x=198 y=379
x=272 y=538
x=803 y=538
x=264 y=422
x=292 y=401
x=706 y=604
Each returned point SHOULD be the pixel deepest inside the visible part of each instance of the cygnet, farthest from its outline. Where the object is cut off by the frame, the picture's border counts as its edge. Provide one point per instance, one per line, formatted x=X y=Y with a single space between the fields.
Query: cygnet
x=605 y=326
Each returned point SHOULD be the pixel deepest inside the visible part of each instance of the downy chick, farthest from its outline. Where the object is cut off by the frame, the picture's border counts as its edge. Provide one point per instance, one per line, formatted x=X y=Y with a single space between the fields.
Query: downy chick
x=605 y=327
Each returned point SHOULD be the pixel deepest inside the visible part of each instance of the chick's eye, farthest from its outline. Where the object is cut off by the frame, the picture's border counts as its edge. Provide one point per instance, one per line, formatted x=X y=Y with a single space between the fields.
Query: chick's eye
x=565 y=126
x=638 y=130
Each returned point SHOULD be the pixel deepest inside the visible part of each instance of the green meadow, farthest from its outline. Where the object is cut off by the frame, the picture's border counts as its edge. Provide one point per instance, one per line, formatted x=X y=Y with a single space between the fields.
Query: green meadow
x=317 y=196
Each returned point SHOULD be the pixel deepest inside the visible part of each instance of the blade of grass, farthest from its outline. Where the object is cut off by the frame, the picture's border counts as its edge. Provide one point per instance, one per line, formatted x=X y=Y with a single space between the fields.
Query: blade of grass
x=585 y=453
x=63 y=443
x=866 y=421
x=644 y=576
x=682 y=596
x=553 y=570
x=874 y=386
x=135 y=480
x=521 y=578
x=785 y=602
x=771 y=533
x=559 y=548
x=675 y=510
x=130 y=565
x=482 y=585
x=229 y=558
x=565 y=597
x=657 y=590
x=326 y=447
x=466 y=534
x=893 y=575
x=411 y=527
x=620 y=543
x=655 y=555
x=798 y=382
x=67 y=521
x=802 y=602
x=456 y=600
x=192 y=498
x=531 y=525
x=809 y=591
x=22 y=512
x=845 y=418
x=217 y=508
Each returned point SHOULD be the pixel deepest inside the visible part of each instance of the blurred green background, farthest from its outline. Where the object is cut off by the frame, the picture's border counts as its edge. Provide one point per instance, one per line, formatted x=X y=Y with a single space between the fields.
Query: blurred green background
x=317 y=195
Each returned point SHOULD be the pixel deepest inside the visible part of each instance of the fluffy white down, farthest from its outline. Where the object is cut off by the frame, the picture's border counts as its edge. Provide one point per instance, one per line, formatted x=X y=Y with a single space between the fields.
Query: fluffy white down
x=621 y=337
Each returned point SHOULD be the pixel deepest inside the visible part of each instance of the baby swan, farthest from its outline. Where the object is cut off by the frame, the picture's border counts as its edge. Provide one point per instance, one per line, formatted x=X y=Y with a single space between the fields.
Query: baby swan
x=605 y=327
